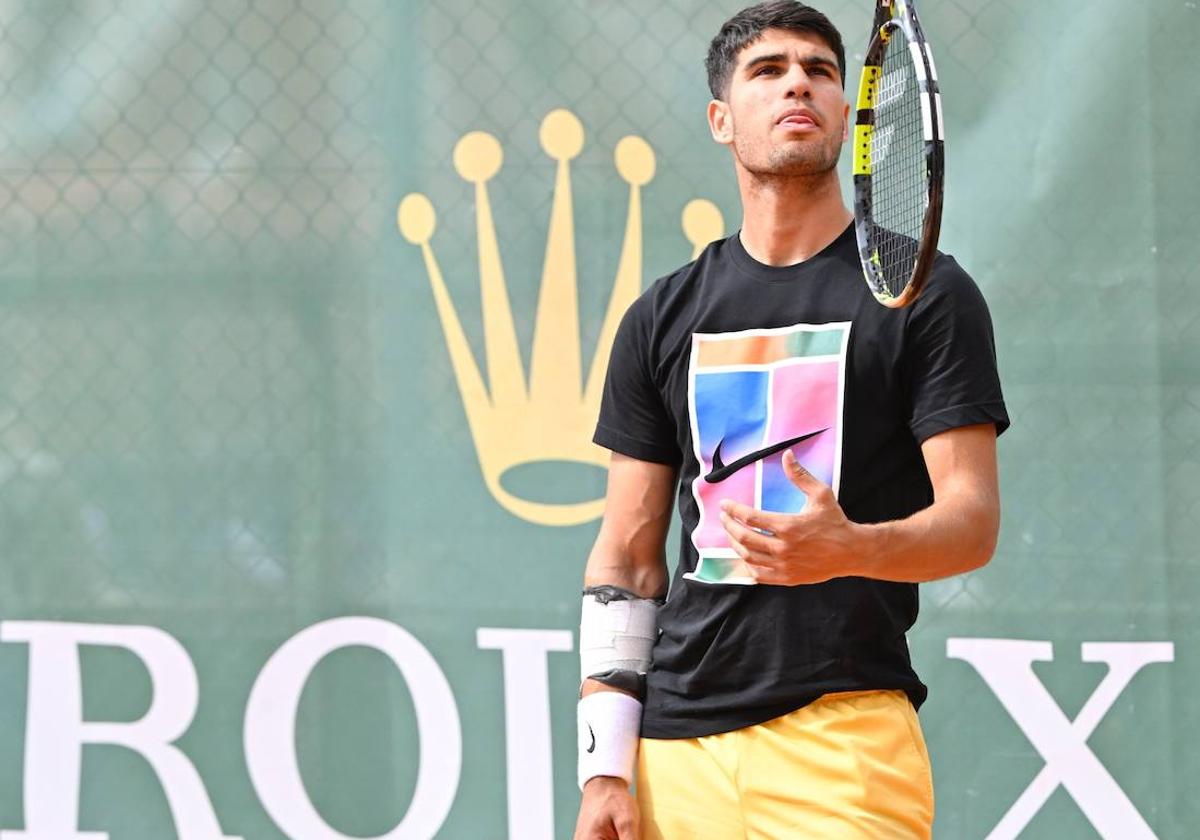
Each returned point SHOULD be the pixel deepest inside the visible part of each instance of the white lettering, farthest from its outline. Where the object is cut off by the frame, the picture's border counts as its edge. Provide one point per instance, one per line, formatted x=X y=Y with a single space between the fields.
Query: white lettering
x=56 y=731
x=1006 y=665
x=527 y=725
x=270 y=730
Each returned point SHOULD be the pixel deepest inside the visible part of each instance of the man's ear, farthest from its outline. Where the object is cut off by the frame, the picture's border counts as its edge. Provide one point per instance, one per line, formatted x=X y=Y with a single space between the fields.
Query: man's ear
x=846 y=122
x=720 y=122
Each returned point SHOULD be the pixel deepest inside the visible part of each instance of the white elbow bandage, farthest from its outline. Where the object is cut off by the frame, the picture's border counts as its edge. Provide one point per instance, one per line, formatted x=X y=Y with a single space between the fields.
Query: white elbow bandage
x=617 y=632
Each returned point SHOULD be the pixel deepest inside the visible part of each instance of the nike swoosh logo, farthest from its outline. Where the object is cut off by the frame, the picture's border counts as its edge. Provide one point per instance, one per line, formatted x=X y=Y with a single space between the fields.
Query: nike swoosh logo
x=722 y=471
x=592 y=748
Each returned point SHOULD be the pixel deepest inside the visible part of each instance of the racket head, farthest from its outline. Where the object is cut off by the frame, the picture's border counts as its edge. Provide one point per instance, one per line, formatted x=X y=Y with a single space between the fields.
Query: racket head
x=898 y=157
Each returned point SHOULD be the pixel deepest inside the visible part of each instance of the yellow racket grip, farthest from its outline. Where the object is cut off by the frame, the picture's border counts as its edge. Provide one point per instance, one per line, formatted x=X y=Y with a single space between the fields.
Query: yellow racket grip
x=868 y=84
x=862 y=149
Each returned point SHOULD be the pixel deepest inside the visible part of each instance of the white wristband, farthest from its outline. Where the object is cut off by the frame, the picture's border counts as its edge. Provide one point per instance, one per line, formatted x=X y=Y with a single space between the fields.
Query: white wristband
x=609 y=725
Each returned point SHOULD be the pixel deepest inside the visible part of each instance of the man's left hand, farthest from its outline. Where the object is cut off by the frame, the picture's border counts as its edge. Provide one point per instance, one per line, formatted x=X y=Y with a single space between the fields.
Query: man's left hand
x=812 y=546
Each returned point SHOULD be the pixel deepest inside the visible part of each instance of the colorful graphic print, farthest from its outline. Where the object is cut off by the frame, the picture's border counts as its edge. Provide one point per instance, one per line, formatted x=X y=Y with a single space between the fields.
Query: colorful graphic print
x=751 y=393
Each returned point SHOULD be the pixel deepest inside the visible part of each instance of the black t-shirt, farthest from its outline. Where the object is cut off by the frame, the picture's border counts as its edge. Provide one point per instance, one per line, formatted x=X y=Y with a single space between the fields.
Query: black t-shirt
x=713 y=370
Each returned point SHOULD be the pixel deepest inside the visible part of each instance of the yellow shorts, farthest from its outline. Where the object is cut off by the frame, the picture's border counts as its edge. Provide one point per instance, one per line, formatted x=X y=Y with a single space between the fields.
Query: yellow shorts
x=850 y=765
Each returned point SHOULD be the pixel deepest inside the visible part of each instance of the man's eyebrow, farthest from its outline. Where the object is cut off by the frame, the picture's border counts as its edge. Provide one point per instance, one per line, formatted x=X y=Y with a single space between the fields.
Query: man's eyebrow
x=770 y=58
x=818 y=61
x=782 y=58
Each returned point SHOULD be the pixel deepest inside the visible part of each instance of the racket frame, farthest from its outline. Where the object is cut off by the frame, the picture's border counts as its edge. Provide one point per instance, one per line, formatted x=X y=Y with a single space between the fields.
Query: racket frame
x=898 y=18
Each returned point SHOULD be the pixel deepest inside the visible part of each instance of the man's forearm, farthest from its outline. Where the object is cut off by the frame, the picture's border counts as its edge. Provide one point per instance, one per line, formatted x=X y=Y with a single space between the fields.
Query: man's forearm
x=947 y=538
x=642 y=569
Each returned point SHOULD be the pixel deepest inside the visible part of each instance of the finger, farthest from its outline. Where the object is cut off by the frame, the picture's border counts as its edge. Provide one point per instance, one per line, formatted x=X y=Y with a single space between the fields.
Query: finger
x=765 y=574
x=760 y=520
x=753 y=540
x=776 y=575
x=740 y=549
x=802 y=478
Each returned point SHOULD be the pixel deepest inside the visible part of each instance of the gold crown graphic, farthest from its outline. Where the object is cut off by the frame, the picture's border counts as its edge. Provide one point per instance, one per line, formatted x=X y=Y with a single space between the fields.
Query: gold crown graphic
x=552 y=416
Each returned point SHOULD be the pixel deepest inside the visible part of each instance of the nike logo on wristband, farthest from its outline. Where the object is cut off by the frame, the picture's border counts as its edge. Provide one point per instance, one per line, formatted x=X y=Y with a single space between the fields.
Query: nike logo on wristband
x=722 y=471
x=592 y=748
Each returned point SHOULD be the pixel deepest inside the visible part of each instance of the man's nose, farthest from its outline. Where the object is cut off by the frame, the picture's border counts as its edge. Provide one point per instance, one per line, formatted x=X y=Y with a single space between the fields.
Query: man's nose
x=799 y=86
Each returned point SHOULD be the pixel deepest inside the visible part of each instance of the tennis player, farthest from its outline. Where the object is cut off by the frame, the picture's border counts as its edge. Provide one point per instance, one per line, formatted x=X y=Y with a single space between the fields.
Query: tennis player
x=827 y=454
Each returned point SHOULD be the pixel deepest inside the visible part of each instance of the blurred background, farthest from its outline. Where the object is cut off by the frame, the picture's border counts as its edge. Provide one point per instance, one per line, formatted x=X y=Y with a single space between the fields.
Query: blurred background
x=251 y=573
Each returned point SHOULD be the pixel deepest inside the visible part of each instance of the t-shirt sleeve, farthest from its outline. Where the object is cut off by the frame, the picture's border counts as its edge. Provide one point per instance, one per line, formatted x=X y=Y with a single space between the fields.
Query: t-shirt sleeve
x=951 y=356
x=634 y=421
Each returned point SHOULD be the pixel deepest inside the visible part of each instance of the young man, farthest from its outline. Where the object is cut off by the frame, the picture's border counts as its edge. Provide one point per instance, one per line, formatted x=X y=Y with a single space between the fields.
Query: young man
x=828 y=455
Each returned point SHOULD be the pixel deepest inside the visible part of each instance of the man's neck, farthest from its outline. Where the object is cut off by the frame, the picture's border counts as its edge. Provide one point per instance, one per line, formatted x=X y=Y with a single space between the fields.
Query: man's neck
x=787 y=220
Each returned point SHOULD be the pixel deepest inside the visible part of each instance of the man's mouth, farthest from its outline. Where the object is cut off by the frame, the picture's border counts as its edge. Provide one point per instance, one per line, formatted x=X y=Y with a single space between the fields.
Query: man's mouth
x=797 y=119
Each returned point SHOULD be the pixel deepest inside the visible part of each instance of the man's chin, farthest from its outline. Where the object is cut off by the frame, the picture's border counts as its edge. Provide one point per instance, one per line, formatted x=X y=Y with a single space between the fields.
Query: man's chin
x=806 y=166
x=798 y=158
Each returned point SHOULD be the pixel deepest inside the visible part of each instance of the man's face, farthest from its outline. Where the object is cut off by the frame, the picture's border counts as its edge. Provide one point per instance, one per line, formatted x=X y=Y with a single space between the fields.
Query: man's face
x=785 y=113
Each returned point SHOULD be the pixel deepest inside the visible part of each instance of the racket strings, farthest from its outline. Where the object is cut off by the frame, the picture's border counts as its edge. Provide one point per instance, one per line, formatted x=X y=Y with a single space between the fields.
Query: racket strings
x=899 y=172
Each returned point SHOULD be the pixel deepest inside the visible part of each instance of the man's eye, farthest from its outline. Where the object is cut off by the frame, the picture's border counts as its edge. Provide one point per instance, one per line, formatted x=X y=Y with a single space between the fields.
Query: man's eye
x=818 y=71
x=761 y=70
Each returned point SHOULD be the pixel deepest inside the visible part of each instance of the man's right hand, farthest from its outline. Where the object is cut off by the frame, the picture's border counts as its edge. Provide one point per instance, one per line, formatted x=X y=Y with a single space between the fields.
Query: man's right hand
x=607 y=811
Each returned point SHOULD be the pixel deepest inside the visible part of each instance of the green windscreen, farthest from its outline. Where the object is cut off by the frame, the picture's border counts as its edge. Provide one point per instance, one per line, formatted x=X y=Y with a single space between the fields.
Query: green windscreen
x=296 y=486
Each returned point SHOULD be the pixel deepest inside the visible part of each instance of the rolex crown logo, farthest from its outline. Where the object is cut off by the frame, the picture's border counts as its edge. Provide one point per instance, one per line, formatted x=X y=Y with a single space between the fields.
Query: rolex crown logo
x=551 y=415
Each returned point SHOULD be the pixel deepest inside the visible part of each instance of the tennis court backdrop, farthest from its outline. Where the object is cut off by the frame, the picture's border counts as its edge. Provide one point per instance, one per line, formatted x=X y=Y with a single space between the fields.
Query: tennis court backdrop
x=295 y=487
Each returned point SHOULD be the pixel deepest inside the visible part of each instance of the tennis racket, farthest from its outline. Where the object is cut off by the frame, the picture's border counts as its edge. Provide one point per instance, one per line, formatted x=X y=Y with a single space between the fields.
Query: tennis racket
x=898 y=157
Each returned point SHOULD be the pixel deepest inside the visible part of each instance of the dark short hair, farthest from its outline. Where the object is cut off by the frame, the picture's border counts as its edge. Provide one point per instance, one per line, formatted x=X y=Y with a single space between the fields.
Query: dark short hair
x=748 y=25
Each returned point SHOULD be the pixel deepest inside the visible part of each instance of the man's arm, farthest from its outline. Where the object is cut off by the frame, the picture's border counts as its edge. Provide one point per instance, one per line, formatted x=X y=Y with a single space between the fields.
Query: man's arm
x=956 y=534
x=630 y=550
x=630 y=553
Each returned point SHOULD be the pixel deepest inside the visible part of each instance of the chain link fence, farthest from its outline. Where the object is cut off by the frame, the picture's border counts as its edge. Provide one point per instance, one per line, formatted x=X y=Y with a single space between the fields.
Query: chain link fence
x=224 y=392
